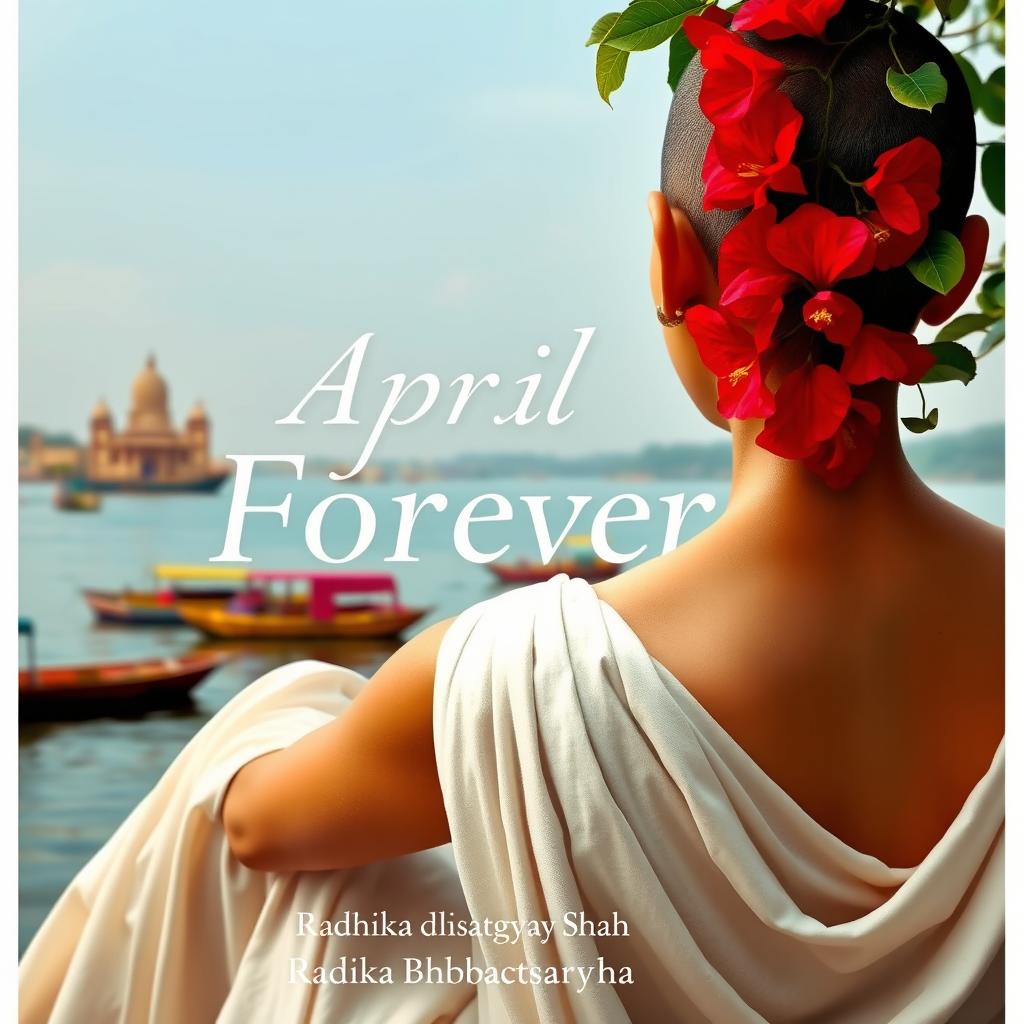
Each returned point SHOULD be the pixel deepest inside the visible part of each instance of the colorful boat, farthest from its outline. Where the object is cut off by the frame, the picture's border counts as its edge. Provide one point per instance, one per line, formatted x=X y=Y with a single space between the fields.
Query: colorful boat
x=304 y=605
x=159 y=606
x=68 y=500
x=581 y=564
x=104 y=688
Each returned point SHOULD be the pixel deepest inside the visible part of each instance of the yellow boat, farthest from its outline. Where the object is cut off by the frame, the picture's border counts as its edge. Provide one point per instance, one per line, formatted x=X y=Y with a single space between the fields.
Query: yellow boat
x=261 y=612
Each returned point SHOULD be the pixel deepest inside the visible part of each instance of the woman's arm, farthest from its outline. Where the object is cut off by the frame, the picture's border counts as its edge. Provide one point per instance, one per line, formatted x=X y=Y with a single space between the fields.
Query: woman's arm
x=362 y=788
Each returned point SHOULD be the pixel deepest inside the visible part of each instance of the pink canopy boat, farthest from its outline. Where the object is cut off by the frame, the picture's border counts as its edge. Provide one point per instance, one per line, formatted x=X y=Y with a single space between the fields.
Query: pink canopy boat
x=294 y=604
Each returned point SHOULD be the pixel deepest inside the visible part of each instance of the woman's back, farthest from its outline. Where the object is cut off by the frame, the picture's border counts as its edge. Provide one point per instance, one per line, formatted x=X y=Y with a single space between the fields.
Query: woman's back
x=855 y=653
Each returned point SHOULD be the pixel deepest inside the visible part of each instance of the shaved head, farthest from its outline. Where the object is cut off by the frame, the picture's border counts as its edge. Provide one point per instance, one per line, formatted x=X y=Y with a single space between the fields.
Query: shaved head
x=865 y=122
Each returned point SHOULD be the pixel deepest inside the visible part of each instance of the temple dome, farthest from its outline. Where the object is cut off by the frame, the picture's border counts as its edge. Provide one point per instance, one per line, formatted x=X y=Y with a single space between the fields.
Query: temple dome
x=101 y=411
x=149 y=402
x=198 y=414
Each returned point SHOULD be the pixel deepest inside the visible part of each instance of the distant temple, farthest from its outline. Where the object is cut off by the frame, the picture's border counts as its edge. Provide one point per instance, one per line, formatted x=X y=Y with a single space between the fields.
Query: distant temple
x=149 y=454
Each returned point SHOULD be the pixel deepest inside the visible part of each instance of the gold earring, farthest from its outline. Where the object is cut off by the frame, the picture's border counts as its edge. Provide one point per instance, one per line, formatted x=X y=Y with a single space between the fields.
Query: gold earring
x=676 y=321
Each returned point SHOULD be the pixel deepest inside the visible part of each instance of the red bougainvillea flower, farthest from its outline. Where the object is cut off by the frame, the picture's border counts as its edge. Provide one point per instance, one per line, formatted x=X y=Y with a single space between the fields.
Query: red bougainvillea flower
x=892 y=247
x=841 y=459
x=736 y=76
x=905 y=185
x=810 y=406
x=751 y=279
x=822 y=247
x=743 y=162
x=733 y=355
x=880 y=354
x=778 y=19
x=835 y=315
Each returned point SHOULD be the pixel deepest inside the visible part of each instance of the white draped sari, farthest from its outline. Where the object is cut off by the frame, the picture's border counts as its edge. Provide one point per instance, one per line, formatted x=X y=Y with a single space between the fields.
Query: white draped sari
x=583 y=784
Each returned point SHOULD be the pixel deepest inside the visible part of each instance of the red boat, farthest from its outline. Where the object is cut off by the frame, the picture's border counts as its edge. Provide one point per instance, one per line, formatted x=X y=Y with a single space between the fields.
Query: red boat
x=537 y=572
x=105 y=688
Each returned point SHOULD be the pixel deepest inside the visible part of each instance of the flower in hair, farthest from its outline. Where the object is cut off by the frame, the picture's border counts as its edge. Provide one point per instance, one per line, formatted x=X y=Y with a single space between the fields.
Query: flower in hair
x=905 y=185
x=736 y=77
x=761 y=261
x=892 y=247
x=821 y=246
x=751 y=279
x=744 y=161
x=733 y=354
x=779 y=19
x=810 y=407
x=876 y=353
x=845 y=455
x=835 y=315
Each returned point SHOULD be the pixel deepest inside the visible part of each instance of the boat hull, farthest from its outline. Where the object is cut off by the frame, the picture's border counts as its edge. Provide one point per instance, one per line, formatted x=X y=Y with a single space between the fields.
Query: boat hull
x=537 y=573
x=76 y=501
x=141 y=608
x=209 y=483
x=360 y=624
x=85 y=691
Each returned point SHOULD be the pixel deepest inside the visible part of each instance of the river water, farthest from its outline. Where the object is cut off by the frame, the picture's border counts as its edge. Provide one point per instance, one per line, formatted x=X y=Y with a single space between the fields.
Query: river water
x=78 y=781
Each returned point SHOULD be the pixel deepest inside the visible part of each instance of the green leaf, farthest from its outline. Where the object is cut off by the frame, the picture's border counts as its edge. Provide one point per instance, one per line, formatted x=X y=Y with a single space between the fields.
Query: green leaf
x=922 y=426
x=603 y=26
x=994 y=337
x=953 y=361
x=611 y=70
x=994 y=289
x=922 y=89
x=993 y=174
x=939 y=263
x=974 y=83
x=645 y=24
x=988 y=307
x=993 y=97
x=969 y=323
x=680 y=52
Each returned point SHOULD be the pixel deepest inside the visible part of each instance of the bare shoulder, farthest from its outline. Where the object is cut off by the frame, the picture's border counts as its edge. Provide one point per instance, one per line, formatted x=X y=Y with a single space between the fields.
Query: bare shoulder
x=418 y=657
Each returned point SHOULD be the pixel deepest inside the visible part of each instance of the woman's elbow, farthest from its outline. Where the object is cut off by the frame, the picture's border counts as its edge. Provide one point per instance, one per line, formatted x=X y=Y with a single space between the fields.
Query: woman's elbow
x=249 y=835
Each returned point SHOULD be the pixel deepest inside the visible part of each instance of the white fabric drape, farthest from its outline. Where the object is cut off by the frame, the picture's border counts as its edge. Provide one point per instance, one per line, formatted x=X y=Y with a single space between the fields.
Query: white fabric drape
x=163 y=926
x=580 y=776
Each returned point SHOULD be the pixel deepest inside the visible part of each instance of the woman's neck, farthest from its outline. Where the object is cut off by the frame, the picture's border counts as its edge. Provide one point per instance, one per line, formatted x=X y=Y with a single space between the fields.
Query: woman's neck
x=763 y=481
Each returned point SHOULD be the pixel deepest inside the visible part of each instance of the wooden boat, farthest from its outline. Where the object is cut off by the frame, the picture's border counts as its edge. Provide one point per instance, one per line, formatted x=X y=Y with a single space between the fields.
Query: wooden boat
x=69 y=500
x=260 y=612
x=204 y=483
x=159 y=606
x=581 y=564
x=103 y=688
x=523 y=572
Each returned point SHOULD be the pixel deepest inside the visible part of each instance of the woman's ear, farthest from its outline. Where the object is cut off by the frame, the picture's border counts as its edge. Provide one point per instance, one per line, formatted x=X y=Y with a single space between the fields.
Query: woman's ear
x=681 y=274
x=974 y=239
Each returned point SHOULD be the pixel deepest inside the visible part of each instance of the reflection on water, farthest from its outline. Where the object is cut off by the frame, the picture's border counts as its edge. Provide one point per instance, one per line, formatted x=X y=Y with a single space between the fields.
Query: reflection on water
x=79 y=780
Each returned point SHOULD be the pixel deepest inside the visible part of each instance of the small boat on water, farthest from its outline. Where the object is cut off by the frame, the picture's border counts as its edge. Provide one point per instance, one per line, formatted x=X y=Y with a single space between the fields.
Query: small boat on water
x=581 y=564
x=305 y=605
x=104 y=688
x=158 y=606
x=70 y=500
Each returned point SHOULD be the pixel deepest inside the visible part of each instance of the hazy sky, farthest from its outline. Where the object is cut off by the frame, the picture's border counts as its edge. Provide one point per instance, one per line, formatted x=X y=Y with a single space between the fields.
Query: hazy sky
x=244 y=189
